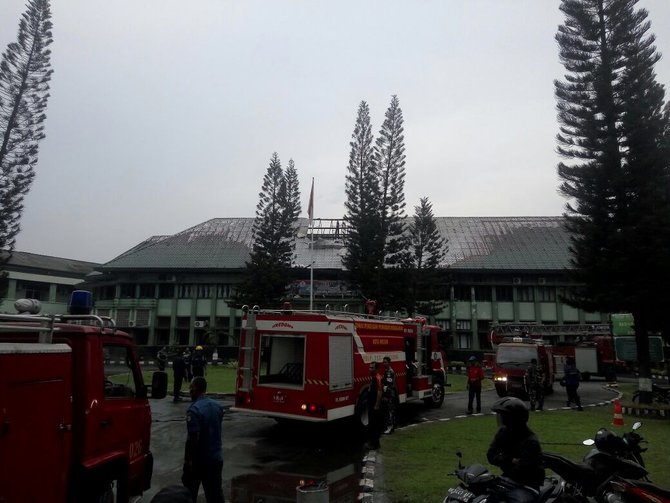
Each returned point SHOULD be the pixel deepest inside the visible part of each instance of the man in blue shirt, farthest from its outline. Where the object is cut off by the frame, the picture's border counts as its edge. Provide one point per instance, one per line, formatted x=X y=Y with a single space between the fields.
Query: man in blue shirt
x=203 y=459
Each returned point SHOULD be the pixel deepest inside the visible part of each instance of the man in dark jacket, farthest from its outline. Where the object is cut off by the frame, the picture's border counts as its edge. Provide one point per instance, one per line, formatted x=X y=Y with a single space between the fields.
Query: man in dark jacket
x=203 y=459
x=517 y=451
x=571 y=377
x=198 y=362
x=179 y=370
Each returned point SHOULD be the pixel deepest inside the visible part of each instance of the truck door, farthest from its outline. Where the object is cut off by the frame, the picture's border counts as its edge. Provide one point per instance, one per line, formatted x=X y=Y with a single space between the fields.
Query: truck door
x=35 y=423
x=124 y=421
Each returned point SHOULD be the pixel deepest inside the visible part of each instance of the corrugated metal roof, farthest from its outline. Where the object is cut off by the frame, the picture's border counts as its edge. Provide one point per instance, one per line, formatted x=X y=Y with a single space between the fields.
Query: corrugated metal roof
x=495 y=243
x=50 y=265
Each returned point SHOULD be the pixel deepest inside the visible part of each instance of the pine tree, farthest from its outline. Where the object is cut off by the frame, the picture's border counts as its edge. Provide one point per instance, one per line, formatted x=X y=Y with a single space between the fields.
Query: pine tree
x=616 y=174
x=25 y=72
x=428 y=249
x=389 y=157
x=364 y=257
x=267 y=273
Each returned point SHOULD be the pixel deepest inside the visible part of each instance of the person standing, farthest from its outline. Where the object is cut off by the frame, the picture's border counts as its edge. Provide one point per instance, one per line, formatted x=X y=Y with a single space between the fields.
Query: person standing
x=389 y=395
x=474 y=384
x=375 y=416
x=535 y=385
x=203 y=459
x=179 y=374
x=198 y=362
x=162 y=357
x=187 y=363
x=571 y=377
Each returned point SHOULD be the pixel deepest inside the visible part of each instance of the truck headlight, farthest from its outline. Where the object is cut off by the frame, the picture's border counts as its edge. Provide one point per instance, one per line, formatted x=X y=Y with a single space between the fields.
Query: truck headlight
x=501 y=378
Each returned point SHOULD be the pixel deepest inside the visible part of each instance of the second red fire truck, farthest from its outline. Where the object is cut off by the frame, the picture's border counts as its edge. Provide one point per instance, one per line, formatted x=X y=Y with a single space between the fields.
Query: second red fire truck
x=314 y=366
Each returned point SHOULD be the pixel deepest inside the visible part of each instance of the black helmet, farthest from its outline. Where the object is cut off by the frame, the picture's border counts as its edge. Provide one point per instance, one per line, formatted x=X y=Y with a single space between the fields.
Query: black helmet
x=513 y=411
x=607 y=441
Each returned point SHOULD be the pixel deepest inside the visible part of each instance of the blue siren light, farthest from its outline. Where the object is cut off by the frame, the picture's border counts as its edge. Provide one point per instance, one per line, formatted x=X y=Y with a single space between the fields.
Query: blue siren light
x=81 y=302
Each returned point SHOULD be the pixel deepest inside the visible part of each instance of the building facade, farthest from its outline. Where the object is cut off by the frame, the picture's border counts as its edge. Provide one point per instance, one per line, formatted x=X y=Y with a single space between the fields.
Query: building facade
x=173 y=290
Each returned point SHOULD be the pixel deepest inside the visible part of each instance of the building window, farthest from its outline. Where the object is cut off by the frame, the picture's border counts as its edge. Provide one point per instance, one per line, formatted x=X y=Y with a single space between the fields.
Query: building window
x=63 y=293
x=223 y=291
x=32 y=290
x=105 y=292
x=185 y=291
x=483 y=293
x=142 y=317
x=462 y=293
x=504 y=294
x=103 y=312
x=165 y=291
x=127 y=291
x=463 y=325
x=546 y=294
x=525 y=294
x=122 y=317
x=204 y=291
x=147 y=291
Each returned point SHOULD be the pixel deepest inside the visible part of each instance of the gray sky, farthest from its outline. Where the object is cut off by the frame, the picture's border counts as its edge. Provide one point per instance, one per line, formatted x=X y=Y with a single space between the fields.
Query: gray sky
x=164 y=113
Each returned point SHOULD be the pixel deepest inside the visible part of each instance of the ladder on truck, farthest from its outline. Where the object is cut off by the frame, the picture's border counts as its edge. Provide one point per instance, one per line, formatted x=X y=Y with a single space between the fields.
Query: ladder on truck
x=45 y=325
x=551 y=332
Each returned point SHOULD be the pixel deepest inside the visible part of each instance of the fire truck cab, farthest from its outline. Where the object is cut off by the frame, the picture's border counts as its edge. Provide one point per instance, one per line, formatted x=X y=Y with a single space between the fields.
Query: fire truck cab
x=314 y=366
x=75 y=421
x=513 y=356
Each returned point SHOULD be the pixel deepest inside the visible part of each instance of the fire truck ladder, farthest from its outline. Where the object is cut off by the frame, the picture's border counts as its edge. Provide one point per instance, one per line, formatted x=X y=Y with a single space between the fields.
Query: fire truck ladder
x=247 y=347
x=557 y=332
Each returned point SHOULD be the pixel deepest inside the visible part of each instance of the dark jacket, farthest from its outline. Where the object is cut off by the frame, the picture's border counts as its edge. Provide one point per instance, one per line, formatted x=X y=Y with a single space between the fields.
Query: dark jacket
x=522 y=444
x=571 y=375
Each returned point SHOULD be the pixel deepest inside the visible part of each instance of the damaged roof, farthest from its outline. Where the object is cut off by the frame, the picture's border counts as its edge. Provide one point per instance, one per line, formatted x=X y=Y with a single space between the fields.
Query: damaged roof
x=474 y=243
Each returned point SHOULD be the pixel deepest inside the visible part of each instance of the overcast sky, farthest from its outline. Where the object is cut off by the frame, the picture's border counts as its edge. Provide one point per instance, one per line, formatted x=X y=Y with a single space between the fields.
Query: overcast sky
x=165 y=113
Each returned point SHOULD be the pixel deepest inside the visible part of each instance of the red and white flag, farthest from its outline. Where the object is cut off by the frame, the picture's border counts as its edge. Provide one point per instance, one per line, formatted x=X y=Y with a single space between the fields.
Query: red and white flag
x=310 y=206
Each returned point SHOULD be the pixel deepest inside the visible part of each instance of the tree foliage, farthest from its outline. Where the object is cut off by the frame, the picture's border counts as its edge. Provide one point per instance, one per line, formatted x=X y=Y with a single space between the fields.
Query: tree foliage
x=25 y=72
x=364 y=256
x=378 y=256
x=268 y=271
x=613 y=137
x=428 y=249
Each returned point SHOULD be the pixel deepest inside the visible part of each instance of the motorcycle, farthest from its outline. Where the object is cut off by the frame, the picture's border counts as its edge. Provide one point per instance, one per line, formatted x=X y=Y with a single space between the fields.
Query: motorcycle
x=613 y=468
x=479 y=485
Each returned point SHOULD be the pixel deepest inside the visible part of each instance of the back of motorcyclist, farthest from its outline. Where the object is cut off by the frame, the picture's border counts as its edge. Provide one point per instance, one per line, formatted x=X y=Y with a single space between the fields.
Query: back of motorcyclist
x=517 y=451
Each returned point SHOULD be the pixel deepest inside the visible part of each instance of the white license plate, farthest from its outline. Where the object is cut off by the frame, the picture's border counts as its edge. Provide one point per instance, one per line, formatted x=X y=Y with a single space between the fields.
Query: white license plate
x=460 y=494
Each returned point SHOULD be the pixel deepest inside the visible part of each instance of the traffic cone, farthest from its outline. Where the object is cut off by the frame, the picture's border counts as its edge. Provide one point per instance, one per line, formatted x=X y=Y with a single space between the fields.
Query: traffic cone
x=618 y=414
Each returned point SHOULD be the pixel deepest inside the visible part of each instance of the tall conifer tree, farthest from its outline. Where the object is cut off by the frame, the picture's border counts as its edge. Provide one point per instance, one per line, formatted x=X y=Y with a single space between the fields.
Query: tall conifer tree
x=616 y=172
x=25 y=72
x=389 y=157
x=267 y=273
x=428 y=249
x=364 y=258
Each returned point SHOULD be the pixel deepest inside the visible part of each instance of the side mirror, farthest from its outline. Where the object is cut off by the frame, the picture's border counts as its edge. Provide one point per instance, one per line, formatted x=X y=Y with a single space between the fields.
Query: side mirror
x=637 y=425
x=589 y=441
x=159 y=384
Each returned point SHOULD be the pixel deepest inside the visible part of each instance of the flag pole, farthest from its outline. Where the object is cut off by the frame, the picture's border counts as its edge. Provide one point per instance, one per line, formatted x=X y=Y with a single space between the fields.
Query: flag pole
x=310 y=212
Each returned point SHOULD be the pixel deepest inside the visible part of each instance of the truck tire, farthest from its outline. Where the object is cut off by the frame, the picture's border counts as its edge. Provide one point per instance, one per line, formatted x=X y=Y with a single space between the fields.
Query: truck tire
x=436 y=399
x=159 y=382
x=586 y=376
x=501 y=391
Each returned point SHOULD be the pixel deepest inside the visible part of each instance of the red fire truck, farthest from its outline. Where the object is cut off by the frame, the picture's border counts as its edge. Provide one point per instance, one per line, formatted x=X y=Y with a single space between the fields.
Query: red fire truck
x=313 y=366
x=592 y=345
x=513 y=356
x=74 y=416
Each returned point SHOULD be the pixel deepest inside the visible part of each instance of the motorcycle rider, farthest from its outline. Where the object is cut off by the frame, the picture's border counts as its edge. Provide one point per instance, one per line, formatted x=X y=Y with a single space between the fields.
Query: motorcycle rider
x=517 y=451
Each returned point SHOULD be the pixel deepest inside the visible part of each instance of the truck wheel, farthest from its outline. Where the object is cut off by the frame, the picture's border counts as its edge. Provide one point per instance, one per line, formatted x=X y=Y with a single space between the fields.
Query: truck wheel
x=586 y=376
x=437 y=396
x=501 y=391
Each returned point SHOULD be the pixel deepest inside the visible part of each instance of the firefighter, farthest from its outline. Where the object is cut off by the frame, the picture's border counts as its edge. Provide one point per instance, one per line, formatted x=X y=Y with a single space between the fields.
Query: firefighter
x=535 y=385
x=198 y=362
x=475 y=378
x=390 y=394
x=187 y=364
x=375 y=416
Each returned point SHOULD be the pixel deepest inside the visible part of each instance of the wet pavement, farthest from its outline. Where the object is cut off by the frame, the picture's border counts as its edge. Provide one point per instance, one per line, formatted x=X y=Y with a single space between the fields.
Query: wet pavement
x=265 y=461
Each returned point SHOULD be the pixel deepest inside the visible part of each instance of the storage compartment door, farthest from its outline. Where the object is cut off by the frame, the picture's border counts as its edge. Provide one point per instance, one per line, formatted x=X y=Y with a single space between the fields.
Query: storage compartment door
x=341 y=356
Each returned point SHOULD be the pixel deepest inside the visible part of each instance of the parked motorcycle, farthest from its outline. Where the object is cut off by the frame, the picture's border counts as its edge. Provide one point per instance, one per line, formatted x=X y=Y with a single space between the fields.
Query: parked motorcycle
x=612 y=472
x=479 y=485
